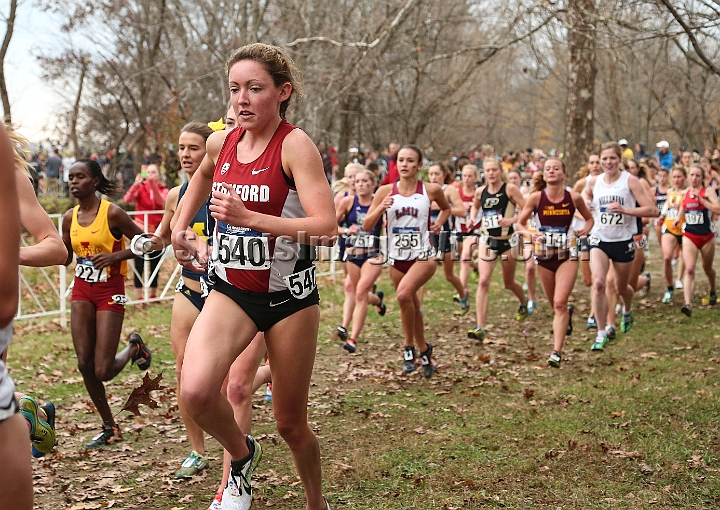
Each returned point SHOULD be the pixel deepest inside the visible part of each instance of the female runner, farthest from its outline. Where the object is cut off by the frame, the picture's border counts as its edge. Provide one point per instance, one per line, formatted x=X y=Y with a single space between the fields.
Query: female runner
x=554 y=208
x=699 y=204
x=94 y=231
x=16 y=470
x=192 y=287
x=514 y=177
x=593 y=169
x=494 y=205
x=637 y=280
x=615 y=198
x=364 y=264
x=439 y=173
x=662 y=186
x=466 y=190
x=407 y=203
x=269 y=194
x=671 y=231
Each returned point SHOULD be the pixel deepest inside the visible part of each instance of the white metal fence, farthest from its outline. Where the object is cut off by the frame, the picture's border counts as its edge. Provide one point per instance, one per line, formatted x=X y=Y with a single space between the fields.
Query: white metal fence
x=53 y=281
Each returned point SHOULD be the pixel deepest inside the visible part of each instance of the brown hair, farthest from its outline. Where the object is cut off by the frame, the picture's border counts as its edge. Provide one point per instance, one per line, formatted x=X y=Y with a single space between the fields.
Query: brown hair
x=198 y=128
x=612 y=145
x=447 y=175
x=538 y=181
x=276 y=62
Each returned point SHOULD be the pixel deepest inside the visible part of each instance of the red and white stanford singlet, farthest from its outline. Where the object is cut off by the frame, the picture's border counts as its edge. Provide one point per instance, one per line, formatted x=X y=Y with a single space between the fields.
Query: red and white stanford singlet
x=247 y=259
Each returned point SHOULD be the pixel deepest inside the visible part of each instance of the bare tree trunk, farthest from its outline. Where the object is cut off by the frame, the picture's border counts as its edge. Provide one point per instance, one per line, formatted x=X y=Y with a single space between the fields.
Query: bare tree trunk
x=580 y=106
x=351 y=105
x=76 y=107
x=3 y=52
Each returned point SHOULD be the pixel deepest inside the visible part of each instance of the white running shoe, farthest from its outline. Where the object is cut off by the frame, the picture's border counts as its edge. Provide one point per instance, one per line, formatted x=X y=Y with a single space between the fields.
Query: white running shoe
x=678 y=284
x=238 y=492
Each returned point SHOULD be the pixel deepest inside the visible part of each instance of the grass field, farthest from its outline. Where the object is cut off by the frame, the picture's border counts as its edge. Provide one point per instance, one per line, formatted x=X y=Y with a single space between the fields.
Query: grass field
x=633 y=427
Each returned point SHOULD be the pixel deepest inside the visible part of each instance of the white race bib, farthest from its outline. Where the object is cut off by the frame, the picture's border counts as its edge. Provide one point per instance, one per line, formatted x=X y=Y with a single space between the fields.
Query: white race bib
x=608 y=218
x=672 y=214
x=244 y=252
x=362 y=240
x=694 y=218
x=302 y=283
x=86 y=270
x=406 y=239
x=491 y=219
x=555 y=237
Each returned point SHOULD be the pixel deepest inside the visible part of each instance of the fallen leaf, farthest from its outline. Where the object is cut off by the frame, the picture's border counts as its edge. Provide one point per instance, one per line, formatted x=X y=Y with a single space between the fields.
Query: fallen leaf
x=141 y=395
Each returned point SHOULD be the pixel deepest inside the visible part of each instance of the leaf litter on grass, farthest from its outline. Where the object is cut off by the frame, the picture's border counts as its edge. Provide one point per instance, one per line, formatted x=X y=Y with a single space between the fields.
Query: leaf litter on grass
x=475 y=435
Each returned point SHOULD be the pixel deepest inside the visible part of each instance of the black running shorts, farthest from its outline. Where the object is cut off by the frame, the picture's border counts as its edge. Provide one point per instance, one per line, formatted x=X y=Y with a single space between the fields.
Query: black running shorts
x=266 y=309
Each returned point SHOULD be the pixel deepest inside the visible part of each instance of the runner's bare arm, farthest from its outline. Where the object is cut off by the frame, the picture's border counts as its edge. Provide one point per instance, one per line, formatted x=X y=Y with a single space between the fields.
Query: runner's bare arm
x=49 y=249
x=381 y=202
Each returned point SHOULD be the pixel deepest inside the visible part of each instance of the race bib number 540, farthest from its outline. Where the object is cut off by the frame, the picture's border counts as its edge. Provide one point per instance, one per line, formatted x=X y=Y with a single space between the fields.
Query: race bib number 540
x=244 y=252
x=302 y=283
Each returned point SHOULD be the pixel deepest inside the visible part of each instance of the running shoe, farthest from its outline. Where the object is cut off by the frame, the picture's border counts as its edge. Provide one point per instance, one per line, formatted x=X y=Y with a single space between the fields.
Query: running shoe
x=216 y=502
x=268 y=392
x=238 y=492
x=350 y=346
x=627 y=320
x=49 y=409
x=143 y=358
x=522 y=313
x=678 y=284
x=646 y=288
x=42 y=434
x=610 y=330
x=531 y=307
x=600 y=343
x=591 y=324
x=618 y=308
x=686 y=310
x=465 y=303
x=477 y=334
x=713 y=298
x=554 y=359
x=340 y=333
x=425 y=359
x=109 y=435
x=409 y=365
x=667 y=297
x=380 y=307
x=571 y=310
x=192 y=465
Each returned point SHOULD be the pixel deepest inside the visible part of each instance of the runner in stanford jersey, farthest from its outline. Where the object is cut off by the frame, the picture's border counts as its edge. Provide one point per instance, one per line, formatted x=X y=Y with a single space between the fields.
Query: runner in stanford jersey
x=269 y=194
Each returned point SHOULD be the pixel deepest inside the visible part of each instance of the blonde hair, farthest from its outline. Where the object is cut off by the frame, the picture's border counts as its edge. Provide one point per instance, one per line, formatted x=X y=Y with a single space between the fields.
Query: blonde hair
x=471 y=167
x=21 y=145
x=356 y=166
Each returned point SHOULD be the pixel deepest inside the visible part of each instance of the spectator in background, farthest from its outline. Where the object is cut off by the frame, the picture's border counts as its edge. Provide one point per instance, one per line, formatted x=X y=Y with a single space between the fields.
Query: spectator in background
x=37 y=170
x=664 y=155
x=326 y=159
x=392 y=174
x=53 y=166
x=148 y=194
x=627 y=152
x=641 y=151
x=67 y=162
x=716 y=156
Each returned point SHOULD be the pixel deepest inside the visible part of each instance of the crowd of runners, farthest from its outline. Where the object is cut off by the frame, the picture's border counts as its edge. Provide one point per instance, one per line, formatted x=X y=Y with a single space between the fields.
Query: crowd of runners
x=245 y=226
